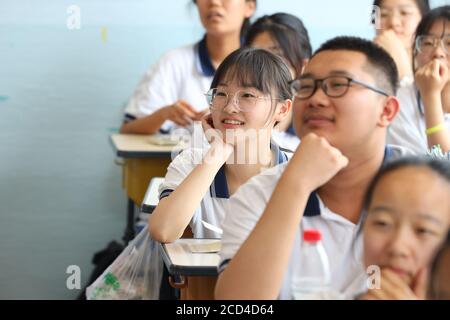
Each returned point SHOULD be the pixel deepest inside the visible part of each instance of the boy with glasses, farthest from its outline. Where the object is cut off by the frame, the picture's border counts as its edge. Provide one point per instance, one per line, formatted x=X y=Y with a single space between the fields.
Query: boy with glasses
x=346 y=102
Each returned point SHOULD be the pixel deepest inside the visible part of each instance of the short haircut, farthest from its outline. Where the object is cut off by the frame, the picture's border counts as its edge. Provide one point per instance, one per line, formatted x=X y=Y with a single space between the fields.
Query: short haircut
x=257 y=68
x=380 y=63
x=288 y=32
x=423 y=5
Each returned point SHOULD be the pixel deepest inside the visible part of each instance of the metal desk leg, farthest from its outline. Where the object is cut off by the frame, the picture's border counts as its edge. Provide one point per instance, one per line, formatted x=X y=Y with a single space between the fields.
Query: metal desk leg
x=129 y=229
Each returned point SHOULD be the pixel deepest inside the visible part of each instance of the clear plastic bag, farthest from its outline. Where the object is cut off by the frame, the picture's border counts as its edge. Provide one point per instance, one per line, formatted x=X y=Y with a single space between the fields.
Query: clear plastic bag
x=135 y=275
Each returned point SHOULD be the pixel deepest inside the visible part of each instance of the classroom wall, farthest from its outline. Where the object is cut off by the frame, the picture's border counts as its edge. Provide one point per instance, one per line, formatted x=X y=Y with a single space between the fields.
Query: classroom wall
x=62 y=93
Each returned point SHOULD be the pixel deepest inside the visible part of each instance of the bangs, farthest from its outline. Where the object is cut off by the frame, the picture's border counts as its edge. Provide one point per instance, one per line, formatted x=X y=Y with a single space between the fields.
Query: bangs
x=255 y=68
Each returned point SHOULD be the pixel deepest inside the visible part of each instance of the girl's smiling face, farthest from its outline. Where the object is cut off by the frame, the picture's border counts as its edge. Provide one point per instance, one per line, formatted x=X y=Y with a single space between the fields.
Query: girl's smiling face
x=407 y=219
x=246 y=108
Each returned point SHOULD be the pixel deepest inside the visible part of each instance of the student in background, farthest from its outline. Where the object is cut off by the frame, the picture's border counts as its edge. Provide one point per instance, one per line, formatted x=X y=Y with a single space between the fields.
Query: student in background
x=408 y=217
x=439 y=288
x=424 y=117
x=171 y=91
x=283 y=34
x=346 y=101
x=249 y=94
x=399 y=20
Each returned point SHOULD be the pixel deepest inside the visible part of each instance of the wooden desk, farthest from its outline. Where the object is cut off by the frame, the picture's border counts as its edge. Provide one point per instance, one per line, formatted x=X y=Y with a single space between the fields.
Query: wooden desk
x=142 y=161
x=200 y=270
x=151 y=197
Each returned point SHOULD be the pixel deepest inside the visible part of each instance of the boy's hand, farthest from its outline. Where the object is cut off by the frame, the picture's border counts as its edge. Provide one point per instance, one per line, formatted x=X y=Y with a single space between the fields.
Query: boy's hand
x=317 y=161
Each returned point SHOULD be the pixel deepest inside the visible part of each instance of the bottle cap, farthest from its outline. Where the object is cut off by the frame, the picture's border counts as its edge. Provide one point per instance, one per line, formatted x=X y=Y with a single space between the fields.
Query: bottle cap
x=312 y=235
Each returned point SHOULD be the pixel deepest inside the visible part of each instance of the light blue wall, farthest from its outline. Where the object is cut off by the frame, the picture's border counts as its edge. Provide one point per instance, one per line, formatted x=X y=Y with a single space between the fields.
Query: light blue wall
x=61 y=94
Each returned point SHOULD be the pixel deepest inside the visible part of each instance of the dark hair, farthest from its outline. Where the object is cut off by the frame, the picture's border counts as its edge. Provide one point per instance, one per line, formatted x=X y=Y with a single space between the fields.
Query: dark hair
x=441 y=167
x=429 y=19
x=381 y=63
x=290 y=34
x=433 y=292
x=245 y=24
x=423 y=5
x=256 y=68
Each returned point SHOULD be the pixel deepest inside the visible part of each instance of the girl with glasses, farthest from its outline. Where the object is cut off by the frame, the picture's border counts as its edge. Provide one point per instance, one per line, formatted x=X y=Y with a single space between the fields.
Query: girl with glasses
x=249 y=93
x=170 y=93
x=424 y=117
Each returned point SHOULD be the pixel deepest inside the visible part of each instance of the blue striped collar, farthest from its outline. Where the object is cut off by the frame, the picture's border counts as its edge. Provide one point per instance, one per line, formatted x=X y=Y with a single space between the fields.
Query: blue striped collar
x=204 y=65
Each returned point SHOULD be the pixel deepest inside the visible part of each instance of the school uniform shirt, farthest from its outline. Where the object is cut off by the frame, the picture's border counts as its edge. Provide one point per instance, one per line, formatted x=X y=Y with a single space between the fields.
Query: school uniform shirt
x=286 y=139
x=212 y=208
x=343 y=247
x=408 y=129
x=185 y=73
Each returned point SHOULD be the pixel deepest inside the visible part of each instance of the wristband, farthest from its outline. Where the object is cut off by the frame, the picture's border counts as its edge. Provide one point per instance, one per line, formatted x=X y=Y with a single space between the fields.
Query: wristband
x=435 y=129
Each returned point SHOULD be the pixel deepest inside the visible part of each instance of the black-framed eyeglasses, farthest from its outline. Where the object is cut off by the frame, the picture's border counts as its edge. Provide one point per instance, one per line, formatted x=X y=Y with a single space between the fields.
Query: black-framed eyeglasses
x=332 y=86
x=427 y=43
x=245 y=100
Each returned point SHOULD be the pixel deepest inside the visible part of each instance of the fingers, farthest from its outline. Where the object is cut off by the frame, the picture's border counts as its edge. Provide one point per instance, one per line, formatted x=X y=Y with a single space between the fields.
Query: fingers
x=393 y=287
x=207 y=122
x=186 y=106
x=420 y=284
x=201 y=114
x=180 y=121
x=189 y=110
x=183 y=108
x=443 y=72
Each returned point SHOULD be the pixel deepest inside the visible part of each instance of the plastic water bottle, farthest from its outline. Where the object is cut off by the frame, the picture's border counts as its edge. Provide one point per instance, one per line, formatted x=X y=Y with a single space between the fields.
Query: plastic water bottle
x=312 y=282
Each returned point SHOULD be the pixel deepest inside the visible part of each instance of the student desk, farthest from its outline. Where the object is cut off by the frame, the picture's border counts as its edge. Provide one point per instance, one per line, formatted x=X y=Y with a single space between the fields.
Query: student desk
x=199 y=270
x=151 y=197
x=142 y=160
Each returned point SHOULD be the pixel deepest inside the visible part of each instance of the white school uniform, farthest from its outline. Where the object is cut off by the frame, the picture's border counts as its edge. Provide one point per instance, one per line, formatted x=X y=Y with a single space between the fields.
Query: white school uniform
x=214 y=203
x=185 y=73
x=408 y=129
x=338 y=234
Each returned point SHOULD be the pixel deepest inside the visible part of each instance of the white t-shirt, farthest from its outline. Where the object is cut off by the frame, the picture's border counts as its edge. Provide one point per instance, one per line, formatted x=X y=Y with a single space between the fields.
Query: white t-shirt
x=285 y=140
x=408 y=128
x=338 y=234
x=185 y=73
x=214 y=203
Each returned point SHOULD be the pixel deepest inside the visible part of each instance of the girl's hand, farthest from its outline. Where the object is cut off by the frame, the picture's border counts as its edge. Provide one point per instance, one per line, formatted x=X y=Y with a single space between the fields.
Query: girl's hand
x=181 y=112
x=395 y=288
x=201 y=114
x=388 y=40
x=432 y=78
x=317 y=161
x=215 y=138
